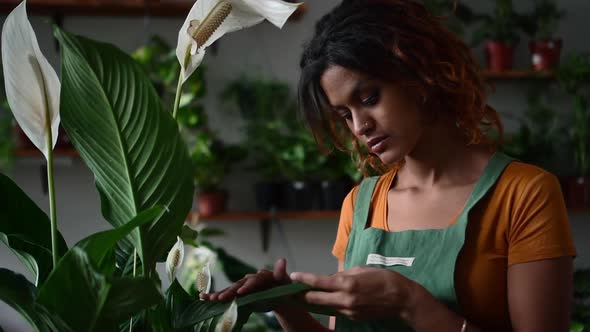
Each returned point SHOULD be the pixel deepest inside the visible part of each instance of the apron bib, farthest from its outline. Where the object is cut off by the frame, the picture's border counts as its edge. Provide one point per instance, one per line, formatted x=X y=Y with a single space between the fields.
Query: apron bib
x=427 y=257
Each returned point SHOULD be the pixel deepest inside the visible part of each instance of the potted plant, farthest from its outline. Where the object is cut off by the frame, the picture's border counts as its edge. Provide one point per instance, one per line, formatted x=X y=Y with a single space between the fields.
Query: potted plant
x=539 y=136
x=571 y=76
x=212 y=161
x=499 y=32
x=456 y=15
x=270 y=116
x=541 y=25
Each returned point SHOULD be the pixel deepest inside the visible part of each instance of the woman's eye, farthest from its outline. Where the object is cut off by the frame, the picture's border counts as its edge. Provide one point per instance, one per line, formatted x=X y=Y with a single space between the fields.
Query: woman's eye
x=371 y=100
x=346 y=116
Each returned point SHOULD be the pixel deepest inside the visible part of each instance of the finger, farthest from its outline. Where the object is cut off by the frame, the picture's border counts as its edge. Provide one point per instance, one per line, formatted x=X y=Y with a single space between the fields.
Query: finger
x=331 y=283
x=229 y=292
x=253 y=284
x=280 y=271
x=332 y=299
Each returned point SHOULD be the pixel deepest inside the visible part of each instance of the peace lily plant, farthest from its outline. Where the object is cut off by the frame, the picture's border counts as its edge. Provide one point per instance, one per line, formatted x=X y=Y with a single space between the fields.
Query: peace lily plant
x=114 y=118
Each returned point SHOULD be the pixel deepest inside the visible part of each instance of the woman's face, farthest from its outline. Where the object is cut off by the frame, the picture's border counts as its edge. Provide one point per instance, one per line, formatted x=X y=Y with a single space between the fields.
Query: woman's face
x=377 y=112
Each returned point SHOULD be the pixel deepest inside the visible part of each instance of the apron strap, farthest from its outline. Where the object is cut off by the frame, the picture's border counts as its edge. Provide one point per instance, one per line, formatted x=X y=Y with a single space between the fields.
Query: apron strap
x=493 y=170
x=363 y=203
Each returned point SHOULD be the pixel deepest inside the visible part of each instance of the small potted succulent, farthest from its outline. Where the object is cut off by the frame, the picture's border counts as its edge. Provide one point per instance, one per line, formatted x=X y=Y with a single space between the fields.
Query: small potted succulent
x=541 y=25
x=499 y=33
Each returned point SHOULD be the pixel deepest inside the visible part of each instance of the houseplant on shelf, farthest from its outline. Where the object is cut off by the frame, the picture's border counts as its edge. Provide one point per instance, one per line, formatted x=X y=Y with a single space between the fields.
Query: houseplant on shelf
x=108 y=281
x=572 y=74
x=539 y=135
x=541 y=25
x=455 y=14
x=269 y=114
x=212 y=160
x=500 y=34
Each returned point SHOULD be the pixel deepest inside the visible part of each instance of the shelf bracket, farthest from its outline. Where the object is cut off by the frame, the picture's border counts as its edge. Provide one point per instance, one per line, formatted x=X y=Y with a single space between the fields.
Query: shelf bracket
x=265 y=226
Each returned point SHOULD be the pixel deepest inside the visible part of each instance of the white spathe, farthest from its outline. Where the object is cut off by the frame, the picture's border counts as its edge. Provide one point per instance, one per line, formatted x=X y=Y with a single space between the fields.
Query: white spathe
x=245 y=13
x=174 y=259
x=229 y=319
x=32 y=85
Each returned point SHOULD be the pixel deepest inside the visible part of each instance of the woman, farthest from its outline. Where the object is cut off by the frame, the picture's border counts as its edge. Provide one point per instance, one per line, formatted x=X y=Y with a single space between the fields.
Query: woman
x=452 y=236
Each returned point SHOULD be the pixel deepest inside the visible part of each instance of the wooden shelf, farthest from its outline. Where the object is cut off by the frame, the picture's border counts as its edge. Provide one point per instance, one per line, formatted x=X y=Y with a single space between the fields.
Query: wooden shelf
x=281 y=215
x=159 y=8
x=519 y=75
x=34 y=153
x=102 y=7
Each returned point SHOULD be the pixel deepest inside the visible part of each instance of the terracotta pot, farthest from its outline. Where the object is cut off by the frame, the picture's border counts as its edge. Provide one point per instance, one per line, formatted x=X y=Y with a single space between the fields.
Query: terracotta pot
x=499 y=55
x=577 y=191
x=545 y=53
x=211 y=203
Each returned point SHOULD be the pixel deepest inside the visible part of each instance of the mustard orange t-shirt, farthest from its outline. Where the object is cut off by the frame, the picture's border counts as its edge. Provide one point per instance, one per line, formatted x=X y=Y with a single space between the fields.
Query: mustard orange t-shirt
x=522 y=218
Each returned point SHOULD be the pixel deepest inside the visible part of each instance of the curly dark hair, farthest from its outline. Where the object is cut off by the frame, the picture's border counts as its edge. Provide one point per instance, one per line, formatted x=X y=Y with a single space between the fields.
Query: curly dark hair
x=397 y=41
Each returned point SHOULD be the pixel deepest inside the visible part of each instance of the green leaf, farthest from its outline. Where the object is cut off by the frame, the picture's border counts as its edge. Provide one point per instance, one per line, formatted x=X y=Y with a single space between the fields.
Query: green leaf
x=25 y=229
x=85 y=299
x=114 y=118
x=20 y=294
x=100 y=246
x=200 y=311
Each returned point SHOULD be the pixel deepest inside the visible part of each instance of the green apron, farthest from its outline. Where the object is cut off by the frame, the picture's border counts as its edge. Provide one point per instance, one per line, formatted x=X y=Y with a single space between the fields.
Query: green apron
x=426 y=256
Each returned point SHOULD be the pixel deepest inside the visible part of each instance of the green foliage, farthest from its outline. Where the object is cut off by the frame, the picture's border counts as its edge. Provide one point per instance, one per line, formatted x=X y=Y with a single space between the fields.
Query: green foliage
x=25 y=229
x=7 y=143
x=212 y=160
x=539 y=136
x=543 y=21
x=581 y=309
x=455 y=14
x=502 y=25
x=140 y=162
x=115 y=120
x=572 y=74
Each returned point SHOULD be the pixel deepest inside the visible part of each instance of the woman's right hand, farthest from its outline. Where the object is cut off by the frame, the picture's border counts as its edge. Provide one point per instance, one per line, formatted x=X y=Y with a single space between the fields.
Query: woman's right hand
x=250 y=283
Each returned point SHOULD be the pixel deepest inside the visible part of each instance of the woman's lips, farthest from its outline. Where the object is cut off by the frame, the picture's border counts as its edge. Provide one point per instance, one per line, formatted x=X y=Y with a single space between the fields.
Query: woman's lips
x=377 y=144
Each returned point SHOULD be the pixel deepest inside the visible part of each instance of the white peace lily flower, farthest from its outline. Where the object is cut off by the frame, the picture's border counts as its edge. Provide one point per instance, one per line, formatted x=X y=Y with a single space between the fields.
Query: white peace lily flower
x=32 y=86
x=204 y=279
x=175 y=257
x=208 y=20
x=229 y=319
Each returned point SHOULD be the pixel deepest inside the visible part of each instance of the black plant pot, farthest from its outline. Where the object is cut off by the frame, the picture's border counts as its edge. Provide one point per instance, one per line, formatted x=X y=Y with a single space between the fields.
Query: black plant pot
x=270 y=195
x=302 y=195
x=334 y=192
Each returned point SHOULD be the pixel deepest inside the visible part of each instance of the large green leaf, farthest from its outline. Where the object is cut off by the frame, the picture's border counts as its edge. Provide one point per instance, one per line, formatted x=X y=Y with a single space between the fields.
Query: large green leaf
x=20 y=294
x=113 y=116
x=25 y=229
x=90 y=301
x=201 y=311
x=100 y=246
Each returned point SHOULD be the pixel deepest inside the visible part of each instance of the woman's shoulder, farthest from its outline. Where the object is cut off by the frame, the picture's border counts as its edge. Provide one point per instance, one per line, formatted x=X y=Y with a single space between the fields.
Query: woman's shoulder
x=521 y=176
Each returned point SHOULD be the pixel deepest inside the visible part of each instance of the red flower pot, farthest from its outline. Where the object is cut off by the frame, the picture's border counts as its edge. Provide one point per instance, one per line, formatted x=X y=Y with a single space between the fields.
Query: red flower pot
x=545 y=53
x=577 y=192
x=211 y=203
x=499 y=55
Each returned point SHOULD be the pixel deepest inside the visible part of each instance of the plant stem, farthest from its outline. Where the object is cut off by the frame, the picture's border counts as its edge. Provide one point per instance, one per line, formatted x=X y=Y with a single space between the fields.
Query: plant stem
x=178 y=92
x=134 y=265
x=51 y=187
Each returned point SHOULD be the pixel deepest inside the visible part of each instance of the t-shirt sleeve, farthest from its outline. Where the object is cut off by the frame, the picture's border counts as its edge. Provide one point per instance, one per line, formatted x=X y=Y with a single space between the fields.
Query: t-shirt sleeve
x=344 y=225
x=540 y=227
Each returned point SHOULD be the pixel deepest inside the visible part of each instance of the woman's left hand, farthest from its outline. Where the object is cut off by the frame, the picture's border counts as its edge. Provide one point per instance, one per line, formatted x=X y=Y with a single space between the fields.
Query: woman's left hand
x=362 y=292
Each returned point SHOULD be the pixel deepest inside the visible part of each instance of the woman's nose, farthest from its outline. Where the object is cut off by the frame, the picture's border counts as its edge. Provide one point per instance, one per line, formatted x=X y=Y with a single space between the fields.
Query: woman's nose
x=362 y=126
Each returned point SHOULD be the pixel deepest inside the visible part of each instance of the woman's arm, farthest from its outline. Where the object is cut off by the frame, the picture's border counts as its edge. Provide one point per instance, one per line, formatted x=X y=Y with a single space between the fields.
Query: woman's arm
x=539 y=295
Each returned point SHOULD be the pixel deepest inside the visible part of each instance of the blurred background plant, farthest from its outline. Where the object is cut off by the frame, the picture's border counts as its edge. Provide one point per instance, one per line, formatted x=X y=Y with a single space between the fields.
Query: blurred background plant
x=540 y=134
x=456 y=15
x=7 y=144
x=581 y=309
